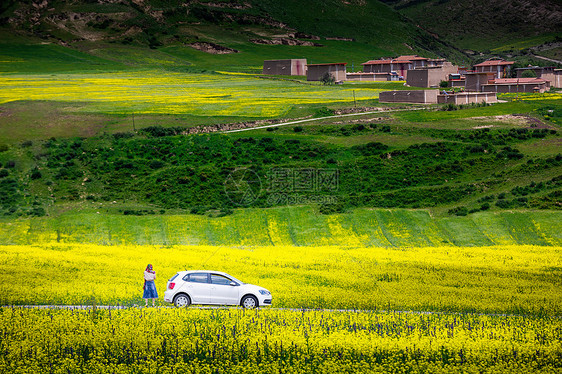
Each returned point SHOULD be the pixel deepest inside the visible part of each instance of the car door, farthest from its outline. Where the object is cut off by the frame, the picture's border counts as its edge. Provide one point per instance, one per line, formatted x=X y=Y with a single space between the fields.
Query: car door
x=198 y=287
x=224 y=290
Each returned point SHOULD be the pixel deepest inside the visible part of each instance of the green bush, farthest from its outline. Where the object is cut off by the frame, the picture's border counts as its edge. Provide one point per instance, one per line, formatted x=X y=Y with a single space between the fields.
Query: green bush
x=458 y=211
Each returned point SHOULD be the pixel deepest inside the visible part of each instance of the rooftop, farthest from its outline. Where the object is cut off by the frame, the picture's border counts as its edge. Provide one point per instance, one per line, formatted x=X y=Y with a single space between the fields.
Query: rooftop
x=495 y=63
x=398 y=60
x=329 y=63
x=517 y=81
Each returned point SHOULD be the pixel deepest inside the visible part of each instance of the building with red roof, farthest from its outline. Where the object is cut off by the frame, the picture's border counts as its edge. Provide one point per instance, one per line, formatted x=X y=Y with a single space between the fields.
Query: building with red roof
x=400 y=65
x=549 y=73
x=499 y=67
x=506 y=85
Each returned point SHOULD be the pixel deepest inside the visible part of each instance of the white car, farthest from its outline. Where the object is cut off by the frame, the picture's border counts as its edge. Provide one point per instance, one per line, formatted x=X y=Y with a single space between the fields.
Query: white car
x=213 y=288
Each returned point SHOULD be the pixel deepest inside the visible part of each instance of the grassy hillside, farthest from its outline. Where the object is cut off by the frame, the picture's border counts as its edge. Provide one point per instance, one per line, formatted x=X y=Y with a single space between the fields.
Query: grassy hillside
x=508 y=25
x=235 y=35
x=292 y=226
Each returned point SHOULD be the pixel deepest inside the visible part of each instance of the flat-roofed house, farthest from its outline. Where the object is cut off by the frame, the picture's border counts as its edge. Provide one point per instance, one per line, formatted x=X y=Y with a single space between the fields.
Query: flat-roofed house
x=506 y=85
x=368 y=77
x=415 y=97
x=475 y=80
x=431 y=75
x=400 y=65
x=315 y=72
x=557 y=78
x=547 y=73
x=497 y=66
x=296 y=66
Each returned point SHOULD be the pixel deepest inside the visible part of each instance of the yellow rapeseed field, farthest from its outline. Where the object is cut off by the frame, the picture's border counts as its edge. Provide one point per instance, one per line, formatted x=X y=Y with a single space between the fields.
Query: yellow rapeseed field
x=274 y=341
x=159 y=92
x=498 y=279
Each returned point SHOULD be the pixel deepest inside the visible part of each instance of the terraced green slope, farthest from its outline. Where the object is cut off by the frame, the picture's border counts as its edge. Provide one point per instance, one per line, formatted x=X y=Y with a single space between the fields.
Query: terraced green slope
x=294 y=226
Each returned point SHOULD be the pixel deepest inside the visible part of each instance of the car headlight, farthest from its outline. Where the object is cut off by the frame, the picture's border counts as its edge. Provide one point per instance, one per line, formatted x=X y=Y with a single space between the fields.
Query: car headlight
x=264 y=292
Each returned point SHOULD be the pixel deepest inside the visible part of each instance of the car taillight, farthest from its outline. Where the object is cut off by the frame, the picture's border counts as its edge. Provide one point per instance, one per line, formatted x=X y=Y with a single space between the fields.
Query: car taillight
x=171 y=286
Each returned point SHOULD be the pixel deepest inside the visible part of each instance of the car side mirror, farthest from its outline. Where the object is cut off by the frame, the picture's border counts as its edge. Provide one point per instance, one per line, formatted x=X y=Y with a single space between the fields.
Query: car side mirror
x=233 y=284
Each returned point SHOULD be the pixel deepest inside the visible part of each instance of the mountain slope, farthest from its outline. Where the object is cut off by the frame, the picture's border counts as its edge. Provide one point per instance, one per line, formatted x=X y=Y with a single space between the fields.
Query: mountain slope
x=484 y=25
x=318 y=30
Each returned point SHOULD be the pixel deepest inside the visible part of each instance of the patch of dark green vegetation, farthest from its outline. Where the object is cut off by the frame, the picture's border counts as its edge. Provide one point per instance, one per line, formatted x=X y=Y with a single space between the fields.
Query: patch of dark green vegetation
x=160 y=170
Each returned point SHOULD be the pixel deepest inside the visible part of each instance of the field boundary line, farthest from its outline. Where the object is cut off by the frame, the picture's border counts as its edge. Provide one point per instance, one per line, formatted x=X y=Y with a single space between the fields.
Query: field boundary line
x=219 y=307
x=322 y=118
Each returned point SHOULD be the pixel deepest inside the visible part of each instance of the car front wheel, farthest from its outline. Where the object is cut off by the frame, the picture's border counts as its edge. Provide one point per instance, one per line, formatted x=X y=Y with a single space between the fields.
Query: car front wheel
x=182 y=301
x=249 y=302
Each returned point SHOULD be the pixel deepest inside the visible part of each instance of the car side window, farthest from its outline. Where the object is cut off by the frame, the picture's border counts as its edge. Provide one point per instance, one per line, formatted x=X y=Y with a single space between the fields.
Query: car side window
x=197 y=278
x=219 y=279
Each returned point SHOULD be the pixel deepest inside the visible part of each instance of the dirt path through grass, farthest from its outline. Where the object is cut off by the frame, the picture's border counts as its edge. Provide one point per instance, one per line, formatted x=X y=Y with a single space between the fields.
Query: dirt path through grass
x=322 y=118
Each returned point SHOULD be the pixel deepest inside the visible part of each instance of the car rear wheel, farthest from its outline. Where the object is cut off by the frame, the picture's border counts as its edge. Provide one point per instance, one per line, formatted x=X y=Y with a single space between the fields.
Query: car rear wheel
x=249 y=302
x=182 y=300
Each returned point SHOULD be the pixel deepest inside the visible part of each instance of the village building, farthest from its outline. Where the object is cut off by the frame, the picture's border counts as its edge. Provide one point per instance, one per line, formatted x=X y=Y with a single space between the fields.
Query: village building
x=416 y=70
x=436 y=97
x=506 y=85
x=285 y=67
x=499 y=67
x=315 y=72
x=456 y=80
x=547 y=73
x=371 y=77
x=475 y=80
x=461 y=98
x=557 y=78
x=412 y=97
x=400 y=65
x=430 y=75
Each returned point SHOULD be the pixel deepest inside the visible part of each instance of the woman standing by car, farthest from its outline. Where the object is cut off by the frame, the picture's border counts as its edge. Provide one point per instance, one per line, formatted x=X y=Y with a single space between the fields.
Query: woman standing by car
x=149 y=286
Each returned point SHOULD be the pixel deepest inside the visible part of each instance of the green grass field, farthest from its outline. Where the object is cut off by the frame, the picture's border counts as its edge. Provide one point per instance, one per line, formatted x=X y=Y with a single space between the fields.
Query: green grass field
x=292 y=226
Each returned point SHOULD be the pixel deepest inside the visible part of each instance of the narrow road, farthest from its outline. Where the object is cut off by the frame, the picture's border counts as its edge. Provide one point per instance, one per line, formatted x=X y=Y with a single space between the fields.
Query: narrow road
x=548 y=59
x=323 y=118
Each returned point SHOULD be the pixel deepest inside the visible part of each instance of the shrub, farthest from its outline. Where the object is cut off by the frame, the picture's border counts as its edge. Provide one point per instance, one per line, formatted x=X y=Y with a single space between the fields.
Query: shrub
x=324 y=112
x=458 y=211
x=37 y=212
x=123 y=135
x=159 y=131
x=443 y=84
x=449 y=107
x=331 y=208
x=298 y=129
x=529 y=74
x=36 y=174
x=328 y=79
